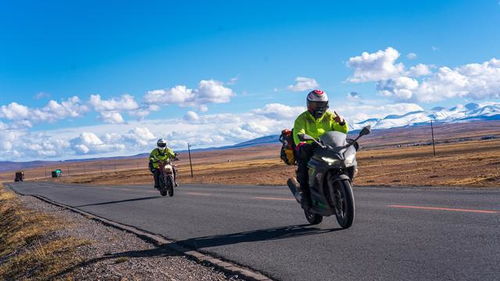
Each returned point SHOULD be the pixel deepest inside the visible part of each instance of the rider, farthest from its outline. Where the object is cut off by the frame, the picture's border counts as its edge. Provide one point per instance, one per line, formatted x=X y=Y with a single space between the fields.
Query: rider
x=161 y=153
x=315 y=122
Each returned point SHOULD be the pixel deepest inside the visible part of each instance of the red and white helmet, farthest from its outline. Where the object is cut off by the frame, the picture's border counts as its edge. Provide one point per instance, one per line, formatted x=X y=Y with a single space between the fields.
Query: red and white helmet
x=317 y=103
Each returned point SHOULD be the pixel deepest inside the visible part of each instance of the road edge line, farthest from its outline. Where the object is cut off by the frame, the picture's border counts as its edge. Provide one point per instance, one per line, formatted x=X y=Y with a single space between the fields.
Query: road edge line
x=158 y=240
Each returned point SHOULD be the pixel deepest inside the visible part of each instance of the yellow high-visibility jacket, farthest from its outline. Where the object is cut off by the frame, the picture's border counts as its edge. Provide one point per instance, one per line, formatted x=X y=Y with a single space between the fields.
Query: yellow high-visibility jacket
x=157 y=155
x=307 y=124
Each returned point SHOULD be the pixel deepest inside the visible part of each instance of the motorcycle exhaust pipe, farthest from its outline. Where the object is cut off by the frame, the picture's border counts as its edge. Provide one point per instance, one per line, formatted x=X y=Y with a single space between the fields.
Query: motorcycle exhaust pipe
x=294 y=186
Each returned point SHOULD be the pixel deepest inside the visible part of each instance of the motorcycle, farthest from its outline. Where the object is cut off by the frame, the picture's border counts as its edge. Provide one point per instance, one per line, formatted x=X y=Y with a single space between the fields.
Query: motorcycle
x=167 y=178
x=331 y=171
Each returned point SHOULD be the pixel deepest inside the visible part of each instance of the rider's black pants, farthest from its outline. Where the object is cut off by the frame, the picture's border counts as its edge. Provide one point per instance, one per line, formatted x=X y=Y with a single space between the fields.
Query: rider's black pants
x=156 y=176
x=303 y=155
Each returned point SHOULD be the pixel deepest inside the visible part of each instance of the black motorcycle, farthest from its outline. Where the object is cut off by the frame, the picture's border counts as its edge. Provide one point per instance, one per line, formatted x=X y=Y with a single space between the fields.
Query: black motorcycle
x=331 y=171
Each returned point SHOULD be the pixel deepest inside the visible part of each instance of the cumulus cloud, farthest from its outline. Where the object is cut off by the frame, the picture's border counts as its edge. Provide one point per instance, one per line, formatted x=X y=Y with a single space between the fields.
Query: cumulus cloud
x=419 y=70
x=23 y=116
x=208 y=130
x=191 y=116
x=125 y=102
x=303 y=84
x=112 y=117
x=279 y=111
x=424 y=83
x=411 y=56
x=208 y=91
x=90 y=143
x=375 y=66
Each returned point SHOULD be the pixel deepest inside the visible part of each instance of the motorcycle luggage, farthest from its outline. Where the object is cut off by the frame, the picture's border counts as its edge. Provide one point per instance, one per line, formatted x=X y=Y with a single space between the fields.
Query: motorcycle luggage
x=287 y=152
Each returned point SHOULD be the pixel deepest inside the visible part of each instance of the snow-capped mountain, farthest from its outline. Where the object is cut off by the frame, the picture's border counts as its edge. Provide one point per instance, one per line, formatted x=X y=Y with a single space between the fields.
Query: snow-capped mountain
x=459 y=113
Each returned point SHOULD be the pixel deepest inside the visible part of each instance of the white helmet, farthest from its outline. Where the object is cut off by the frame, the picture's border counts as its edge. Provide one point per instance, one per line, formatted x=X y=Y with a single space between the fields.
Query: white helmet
x=162 y=144
x=317 y=103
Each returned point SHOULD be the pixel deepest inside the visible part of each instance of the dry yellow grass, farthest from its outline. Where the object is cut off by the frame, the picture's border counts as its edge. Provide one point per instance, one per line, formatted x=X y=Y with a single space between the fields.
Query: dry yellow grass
x=29 y=250
x=472 y=163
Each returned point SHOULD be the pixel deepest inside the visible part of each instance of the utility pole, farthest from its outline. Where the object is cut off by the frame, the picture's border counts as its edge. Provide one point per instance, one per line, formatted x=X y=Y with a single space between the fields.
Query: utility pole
x=433 y=145
x=190 y=163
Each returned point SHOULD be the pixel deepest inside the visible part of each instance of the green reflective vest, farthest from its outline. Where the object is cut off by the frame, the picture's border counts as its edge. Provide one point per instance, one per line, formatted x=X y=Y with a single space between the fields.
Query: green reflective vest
x=307 y=124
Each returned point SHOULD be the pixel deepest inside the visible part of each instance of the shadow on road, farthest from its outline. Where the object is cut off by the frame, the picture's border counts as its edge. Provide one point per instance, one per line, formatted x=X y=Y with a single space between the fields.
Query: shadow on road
x=200 y=243
x=119 y=201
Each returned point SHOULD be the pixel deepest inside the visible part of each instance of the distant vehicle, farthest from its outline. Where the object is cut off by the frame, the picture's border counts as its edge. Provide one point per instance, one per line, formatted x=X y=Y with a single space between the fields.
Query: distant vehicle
x=331 y=170
x=167 y=180
x=19 y=176
x=56 y=173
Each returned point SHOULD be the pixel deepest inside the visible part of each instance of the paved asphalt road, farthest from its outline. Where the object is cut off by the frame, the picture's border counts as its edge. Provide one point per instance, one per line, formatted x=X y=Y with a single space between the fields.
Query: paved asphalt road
x=398 y=234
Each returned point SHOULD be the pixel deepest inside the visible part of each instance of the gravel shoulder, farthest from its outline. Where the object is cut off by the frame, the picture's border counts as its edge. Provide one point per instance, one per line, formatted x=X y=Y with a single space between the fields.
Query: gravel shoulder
x=113 y=254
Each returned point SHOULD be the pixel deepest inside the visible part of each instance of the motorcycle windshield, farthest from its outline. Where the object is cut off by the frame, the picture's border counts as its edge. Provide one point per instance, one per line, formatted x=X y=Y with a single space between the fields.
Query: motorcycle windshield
x=333 y=139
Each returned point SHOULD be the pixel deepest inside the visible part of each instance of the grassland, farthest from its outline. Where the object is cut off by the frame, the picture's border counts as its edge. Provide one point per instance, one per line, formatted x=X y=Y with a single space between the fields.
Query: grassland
x=467 y=155
x=30 y=248
x=471 y=163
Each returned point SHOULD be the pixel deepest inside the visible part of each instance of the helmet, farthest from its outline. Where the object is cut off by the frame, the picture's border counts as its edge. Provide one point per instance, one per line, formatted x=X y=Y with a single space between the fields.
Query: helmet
x=162 y=144
x=317 y=103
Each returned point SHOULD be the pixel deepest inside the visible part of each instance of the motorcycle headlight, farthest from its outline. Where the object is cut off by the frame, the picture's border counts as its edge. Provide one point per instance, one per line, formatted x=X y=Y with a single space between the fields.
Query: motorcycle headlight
x=329 y=160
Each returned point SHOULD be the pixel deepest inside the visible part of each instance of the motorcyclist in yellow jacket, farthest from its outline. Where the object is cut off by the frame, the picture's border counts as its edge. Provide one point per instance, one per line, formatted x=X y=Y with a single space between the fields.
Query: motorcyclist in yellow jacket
x=315 y=122
x=161 y=153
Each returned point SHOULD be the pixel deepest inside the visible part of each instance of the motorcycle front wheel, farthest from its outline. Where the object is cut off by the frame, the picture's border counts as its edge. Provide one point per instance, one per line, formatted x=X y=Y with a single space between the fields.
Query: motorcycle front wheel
x=163 y=187
x=170 y=184
x=342 y=199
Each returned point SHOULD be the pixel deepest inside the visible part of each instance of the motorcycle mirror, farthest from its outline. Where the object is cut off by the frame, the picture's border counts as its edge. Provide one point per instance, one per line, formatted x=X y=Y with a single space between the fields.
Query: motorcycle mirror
x=305 y=137
x=365 y=131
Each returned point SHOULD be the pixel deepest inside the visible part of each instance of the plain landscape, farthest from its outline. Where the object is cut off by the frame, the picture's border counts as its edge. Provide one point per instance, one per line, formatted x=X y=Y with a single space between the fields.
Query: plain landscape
x=466 y=155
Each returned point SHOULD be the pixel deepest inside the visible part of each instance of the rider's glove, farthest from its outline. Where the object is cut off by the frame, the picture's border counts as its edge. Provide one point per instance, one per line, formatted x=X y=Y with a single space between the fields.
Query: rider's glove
x=339 y=119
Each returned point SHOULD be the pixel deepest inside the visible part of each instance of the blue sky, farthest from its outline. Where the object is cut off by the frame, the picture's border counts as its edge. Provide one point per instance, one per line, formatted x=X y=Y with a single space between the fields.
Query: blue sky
x=252 y=51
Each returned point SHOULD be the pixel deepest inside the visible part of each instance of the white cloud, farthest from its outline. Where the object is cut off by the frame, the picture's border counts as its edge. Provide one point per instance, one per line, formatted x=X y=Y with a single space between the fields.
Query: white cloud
x=208 y=91
x=90 y=143
x=191 y=116
x=375 y=66
x=279 y=111
x=411 y=56
x=303 y=84
x=419 y=70
x=42 y=95
x=123 y=103
x=476 y=81
x=112 y=117
x=14 y=111
x=23 y=116
x=421 y=84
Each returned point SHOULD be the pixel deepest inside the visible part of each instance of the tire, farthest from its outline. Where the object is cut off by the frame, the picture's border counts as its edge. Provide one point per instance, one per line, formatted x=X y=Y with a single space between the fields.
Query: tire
x=170 y=186
x=163 y=189
x=313 y=218
x=341 y=197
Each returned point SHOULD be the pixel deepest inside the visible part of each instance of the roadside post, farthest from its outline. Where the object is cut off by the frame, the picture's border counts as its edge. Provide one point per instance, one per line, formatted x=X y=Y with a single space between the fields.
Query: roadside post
x=433 y=145
x=190 y=163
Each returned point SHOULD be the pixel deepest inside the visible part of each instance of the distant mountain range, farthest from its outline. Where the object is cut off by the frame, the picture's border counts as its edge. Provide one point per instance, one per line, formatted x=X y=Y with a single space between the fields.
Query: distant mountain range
x=466 y=113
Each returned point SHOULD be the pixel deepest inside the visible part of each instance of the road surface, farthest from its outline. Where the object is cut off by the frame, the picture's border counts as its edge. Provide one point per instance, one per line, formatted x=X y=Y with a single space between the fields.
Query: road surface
x=398 y=233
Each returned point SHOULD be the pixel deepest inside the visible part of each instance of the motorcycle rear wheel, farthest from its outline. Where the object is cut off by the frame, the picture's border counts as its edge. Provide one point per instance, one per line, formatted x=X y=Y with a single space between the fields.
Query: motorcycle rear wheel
x=313 y=218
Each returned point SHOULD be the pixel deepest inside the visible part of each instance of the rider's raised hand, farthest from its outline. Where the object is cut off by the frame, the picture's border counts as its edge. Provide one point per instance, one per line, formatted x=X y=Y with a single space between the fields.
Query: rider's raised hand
x=339 y=119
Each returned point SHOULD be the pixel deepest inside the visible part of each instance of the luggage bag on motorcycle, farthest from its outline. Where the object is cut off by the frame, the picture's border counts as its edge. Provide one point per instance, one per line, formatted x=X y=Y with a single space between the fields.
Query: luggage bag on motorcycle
x=287 y=153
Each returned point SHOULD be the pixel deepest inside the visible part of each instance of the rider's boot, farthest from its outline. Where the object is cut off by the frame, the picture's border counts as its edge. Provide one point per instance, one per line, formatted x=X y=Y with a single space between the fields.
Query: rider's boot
x=306 y=201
